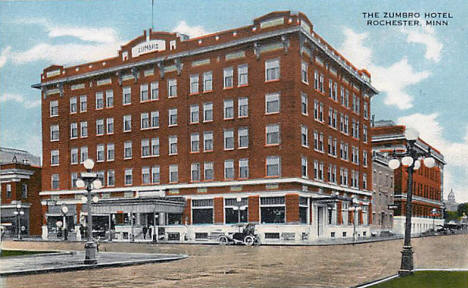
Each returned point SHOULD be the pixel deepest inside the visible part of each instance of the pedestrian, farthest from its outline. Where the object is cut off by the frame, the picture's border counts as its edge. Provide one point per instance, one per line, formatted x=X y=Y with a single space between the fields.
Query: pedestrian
x=145 y=229
x=150 y=232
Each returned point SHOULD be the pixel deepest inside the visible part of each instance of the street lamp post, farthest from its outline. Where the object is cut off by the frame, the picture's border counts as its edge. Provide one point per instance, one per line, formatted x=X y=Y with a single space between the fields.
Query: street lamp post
x=64 y=210
x=18 y=213
x=90 y=181
x=239 y=207
x=434 y=212
x=411 y=158
x=355 y=208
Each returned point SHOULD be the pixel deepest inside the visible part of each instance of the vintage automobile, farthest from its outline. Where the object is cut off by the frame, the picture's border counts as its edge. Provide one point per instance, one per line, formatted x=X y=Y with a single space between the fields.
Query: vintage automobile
x=246 y=237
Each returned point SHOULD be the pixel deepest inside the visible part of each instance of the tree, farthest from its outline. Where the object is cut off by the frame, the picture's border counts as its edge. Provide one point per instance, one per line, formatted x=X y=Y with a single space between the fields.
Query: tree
x=462 y=208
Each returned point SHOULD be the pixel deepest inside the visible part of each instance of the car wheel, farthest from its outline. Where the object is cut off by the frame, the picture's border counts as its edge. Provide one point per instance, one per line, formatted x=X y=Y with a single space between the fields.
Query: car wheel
x=249 y=240
x=223 y=240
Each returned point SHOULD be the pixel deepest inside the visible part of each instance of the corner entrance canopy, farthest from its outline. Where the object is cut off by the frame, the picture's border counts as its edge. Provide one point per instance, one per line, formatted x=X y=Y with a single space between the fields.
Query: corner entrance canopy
x=147 y=205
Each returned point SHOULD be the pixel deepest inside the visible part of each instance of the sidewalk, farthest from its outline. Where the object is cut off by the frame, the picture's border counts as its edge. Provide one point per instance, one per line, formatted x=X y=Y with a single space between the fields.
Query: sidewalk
x=73 y=260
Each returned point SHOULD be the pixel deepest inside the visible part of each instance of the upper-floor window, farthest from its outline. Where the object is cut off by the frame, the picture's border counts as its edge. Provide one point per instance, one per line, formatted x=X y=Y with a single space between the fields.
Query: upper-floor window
x=229 y=169
x=24 y=190
x=128 y=150
x=155 y=174
x=55 y=182
x=195 y=142
x=228 y=76
x=366 y=110
x=304 y=136
x=127 y=119
x=173 y=117
x=208 y=141
x=172 y=88
x=194 y=83
x=243 y=135
x=99 y=100
x=272 y=69
x=126 y=95
x=364 y=133
x=194 y=114
x=128 y=176
x=195 y=172
x=73 y=105
x=173 y=145
x=145 y=148
x=83 y=153
x=304 y=104
x=110 y=125
x=74 y=130
x=208 y=170
x=154 y=119
x=207 y=81
x=109 y=98
x=155 y=146
x=207 y=111
x=54 y=157
x=173 y=173
x=84 y=129
x=272 y=134
x=304 y=167
x=145 y=121
x=273 y=166
x=243 y=75
x=243 y=107
x=304 y=72
x=100 y=127
x=228 y=109
x=53 y=108
x=100 y=154
x=110 y=152
x=110 y=177
x=8 y=190
x=243 y=168
x=74 y=156
x=154 y=90
x=83 y=103
x=228 y=139
x=272 y=103
x=144 y=96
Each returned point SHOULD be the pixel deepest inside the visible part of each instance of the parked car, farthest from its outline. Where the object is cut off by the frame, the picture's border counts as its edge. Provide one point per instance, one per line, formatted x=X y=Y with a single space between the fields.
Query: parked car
x=246 y=237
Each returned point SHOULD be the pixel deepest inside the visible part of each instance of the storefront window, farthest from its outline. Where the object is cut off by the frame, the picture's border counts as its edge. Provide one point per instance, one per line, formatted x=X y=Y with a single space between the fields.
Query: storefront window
x=272 y=210
x=202 y=211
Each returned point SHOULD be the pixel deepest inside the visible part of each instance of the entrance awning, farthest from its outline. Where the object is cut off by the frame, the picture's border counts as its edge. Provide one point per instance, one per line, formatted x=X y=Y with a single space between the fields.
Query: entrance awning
x=146 y=205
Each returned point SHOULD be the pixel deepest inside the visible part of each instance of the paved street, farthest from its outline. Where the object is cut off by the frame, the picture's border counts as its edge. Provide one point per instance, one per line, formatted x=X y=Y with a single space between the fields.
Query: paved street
x=263 y=266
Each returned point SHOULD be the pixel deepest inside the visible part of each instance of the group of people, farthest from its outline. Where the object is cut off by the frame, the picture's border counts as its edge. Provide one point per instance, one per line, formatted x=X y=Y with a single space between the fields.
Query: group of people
x=147 y=231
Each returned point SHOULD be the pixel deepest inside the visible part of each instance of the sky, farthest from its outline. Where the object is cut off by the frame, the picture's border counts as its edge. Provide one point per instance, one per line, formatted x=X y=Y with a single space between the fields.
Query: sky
x=420 y=70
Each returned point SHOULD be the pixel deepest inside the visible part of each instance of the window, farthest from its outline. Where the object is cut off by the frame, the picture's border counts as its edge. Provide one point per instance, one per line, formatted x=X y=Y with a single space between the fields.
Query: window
x=202 y=211
x=272 y=69
x=195 y=172
x=195 y=143
x=126 y=95
x=304 y=167
x=154 y=90
x=364 y=133
x=364 y=158
x=273 y=166
x=127 y=149
x=316 y=80
x=128 y=176
x=100 y=176
x=321 y=86
x=232 y=211
x=243 y=107
x=55 y=183
x=304 y=73
x=145 y=148
x=172 y=88
x=173 y=117
x=229 y=169
x=304 y=104
x=194 y=79
x=83 y=103
x=208 y=170
x=144 y=94
x=53 y=106
x=83 y=154
x=155 y=174
x=74 y=178
x=272 y=210
x=207 y=111
x=243 y=75
x=54 y=157
x=73 y=105
x=155 y=146
x=364 y=181
x=110 y=125
x=74 y=156
x=110 y=177
x=344 y=177
x=228 y=139
x=84 y=129
x=228 y=109
x=173 y=145
x=208 y=141
x=110 y=152
x=272 y=103
x=173 y=173
x=8 y=190
x=194 y=114
x=272 y=134
x=304 y=136
x=99 y=100
x=127 y=119
x=228 y=77
x=243 y=135
x=207 y=81
x=154 y=119
x=144 y=120
x=145 y=175
x=100 y=156
x=100 y=127
x=109 y=98
x=73 y=130
x=244 y=168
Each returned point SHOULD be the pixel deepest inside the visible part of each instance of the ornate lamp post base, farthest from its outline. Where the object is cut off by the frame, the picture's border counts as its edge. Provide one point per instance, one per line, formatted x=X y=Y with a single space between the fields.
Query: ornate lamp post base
x=406 y=261
x=91 y=251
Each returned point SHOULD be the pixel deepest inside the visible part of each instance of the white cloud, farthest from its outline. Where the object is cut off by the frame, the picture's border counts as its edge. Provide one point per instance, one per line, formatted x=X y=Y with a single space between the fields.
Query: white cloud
x=455 y=153
x=4 y=56
x=391 y=80
x=27 y=103
x=425 y=36
x=191 y=31
x=32 y=143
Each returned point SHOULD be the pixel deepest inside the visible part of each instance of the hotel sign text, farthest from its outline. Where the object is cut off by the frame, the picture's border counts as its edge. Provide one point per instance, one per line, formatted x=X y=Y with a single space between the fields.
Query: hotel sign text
x=148 y=47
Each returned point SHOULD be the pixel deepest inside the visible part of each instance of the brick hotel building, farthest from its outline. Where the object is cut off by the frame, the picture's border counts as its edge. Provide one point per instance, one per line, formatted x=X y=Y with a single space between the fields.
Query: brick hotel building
x=268 y=118
x=427 y=182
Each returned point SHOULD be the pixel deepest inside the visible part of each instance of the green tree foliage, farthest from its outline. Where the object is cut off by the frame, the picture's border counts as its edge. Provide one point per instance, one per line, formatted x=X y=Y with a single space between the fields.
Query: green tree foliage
x=462 y=208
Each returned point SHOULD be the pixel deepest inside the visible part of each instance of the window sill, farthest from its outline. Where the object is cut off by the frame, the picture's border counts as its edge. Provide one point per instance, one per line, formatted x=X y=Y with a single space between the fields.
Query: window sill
x=243 y=85
x=272 y=81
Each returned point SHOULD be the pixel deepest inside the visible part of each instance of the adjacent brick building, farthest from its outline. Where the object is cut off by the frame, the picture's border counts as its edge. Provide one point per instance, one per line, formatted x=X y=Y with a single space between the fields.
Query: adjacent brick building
x=269 y=112
x=427 y=183
x=382 y=193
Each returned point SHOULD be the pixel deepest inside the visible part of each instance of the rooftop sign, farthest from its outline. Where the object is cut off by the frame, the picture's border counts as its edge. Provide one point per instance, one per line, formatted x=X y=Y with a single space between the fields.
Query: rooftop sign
x=148 y=47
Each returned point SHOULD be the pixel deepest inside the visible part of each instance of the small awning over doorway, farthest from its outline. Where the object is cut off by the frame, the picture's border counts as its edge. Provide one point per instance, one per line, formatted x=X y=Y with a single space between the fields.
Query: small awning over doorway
x=146 y=205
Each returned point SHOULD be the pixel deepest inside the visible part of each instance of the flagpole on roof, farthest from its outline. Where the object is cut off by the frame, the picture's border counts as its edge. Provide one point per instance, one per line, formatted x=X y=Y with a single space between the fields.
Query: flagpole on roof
x=152 y=14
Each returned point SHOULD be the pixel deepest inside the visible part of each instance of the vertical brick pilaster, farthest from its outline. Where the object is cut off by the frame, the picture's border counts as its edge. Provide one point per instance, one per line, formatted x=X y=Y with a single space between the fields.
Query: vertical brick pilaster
x=292 y=208
x=254 y=209
x=78 y=212
x=350 y=217
x=218 y=210
x=339 y=216
x=369 y=216
x=360 y=217
x=44 y=211
x=187 y=220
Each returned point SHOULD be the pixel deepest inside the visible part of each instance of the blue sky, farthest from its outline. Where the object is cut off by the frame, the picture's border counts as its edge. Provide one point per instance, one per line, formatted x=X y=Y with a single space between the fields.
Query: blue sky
x=420 y=71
